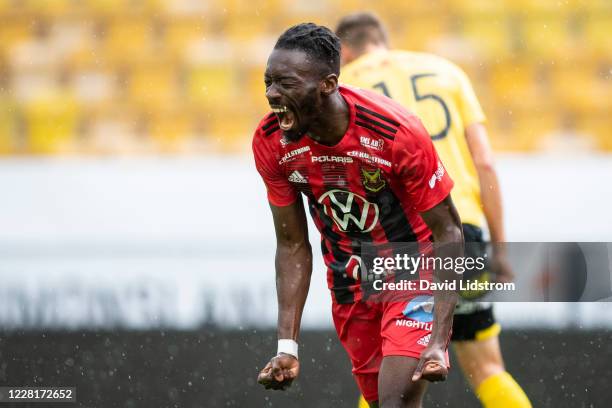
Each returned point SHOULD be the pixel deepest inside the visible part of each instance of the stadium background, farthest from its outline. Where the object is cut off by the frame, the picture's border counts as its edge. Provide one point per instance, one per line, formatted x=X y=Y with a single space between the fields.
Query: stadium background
x=135 y=243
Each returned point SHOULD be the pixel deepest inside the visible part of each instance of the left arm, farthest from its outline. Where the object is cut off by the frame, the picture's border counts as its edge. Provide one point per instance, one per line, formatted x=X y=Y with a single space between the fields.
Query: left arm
x=445 y=224
x=482 y=156
x=428 y=188
x=490 y=195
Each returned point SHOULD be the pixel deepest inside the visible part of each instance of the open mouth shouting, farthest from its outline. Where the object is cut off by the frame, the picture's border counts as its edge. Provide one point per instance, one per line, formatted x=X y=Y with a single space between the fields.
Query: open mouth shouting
x=285 y=116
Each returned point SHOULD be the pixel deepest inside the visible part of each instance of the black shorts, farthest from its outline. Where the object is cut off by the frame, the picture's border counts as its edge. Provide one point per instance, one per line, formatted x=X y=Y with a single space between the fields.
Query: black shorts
x=479 y=324
x=474 y=320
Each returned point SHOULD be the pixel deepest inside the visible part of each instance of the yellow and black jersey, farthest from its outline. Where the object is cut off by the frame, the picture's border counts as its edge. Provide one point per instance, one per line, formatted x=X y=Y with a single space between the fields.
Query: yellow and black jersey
x=441 y=95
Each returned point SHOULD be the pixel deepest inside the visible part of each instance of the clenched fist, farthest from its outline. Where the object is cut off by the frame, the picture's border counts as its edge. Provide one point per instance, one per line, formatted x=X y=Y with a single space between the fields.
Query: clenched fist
x=280 y=372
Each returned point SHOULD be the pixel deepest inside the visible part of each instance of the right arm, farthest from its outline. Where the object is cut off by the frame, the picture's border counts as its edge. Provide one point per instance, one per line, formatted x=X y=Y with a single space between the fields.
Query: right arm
x=293 y=252
x=293 y=271
x=490 y=195
x=482 y=156
x=293 y=266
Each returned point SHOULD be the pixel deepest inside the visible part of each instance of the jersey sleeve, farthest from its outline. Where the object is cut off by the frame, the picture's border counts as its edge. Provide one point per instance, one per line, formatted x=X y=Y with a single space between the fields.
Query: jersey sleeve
x=419 y=169
x=468 y=104
x=280 y=192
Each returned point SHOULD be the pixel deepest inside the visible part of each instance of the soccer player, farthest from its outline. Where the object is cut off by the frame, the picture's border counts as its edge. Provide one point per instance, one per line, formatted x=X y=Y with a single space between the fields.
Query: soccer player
x=370 y=174
x=439 y=93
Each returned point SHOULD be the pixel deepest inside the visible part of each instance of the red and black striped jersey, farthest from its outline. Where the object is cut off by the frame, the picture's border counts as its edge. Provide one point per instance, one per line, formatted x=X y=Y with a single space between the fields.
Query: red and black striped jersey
x=368 y=188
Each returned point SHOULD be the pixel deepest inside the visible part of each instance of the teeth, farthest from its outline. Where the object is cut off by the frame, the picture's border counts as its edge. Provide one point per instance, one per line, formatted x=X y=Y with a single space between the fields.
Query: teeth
x=280 y=110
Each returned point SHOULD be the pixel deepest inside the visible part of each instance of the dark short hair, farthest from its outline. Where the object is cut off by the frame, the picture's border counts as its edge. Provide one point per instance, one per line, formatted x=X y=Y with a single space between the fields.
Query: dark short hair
x=318 y=42
x=358 y=29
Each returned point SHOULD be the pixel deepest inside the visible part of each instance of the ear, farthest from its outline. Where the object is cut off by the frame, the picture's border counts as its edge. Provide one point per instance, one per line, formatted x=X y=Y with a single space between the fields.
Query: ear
x=329 y=84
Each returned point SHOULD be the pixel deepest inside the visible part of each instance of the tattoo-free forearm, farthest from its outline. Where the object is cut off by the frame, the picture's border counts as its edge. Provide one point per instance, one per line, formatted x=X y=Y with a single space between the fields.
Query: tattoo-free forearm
x=490 y=193
x=492 y=202
x=445 y=300
x=445 y=225
x=293 y=271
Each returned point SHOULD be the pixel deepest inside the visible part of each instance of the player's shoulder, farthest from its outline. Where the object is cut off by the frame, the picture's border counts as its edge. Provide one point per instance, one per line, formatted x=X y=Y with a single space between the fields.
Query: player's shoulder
x=267 y=133
x=426 y=61
x=267 y=126
x=379 y=113
x=423 y=58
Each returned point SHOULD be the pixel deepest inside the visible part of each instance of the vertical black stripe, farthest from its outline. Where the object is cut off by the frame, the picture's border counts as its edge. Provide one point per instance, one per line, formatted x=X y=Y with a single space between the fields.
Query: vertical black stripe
x=394 y=222
x=340 y=280
x=392 y=216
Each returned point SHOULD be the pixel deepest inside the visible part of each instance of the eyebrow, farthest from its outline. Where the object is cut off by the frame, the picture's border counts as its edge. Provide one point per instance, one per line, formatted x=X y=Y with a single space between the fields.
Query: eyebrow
x=282 y=77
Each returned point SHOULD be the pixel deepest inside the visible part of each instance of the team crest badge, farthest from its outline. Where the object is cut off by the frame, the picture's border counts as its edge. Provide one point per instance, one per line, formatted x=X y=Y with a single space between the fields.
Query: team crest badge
x=372 y=180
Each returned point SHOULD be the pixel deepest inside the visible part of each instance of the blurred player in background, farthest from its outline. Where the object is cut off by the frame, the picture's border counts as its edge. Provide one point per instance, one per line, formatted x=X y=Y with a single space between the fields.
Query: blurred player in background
x=371 y=175
x=441 y=95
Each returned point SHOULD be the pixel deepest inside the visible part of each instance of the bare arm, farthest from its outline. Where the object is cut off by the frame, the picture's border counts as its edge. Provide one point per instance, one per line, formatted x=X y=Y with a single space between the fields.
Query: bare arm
x=445 y=225
x=293 y=271
x=293 y=266
x=490 y=194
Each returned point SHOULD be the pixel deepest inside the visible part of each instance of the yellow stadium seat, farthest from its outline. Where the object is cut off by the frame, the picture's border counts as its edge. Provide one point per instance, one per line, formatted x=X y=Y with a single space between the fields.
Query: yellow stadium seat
x=6 y=6
x=153 y=85
x=597 y=36
x=548 y=36
x=543 y=7
x=94 y=88
x=349 y=6
x=489 y=35
x=8 y=126
x=245 y=26
x=577 y=88
x=599 y=128
x=500 y=126
x=518 y=129
x=238 y=6
x=121 y=7
x=128 y=39
x=596 y=6
x=513 y=81
x=256 y=88
x=116 y=130
x=105 y=6
x=500 y=135
x=225 y=122
x=409 y=9
x=180 y=32
x=205 y=75
x=532 y=126
x=231 y=129
x=417 y=33
x=14 y=31
x=473 y=7
x=51 y=123
x=169 y=128
x=211 y=85
x=50 y=7
x=153 y=7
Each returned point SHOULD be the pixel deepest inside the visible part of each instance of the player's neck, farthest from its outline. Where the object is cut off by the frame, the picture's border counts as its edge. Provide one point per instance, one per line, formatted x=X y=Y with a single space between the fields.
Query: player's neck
x=368 y=49
x=330 y=127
